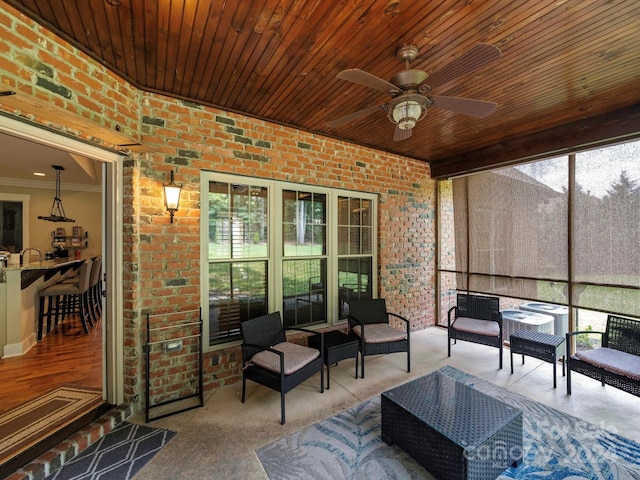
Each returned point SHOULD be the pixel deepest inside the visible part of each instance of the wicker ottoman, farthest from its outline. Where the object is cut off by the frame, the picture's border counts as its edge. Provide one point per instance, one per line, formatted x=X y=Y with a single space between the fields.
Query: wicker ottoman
x=452 y=430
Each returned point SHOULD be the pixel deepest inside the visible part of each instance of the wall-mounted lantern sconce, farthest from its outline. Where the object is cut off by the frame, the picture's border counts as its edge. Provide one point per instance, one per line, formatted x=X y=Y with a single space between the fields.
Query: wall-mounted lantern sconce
x=172 y=196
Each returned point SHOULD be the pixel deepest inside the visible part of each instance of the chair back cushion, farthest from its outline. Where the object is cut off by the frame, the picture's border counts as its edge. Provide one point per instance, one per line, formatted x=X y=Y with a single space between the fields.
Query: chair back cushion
x=295 y=357
x=96 y=270
x=380 y=333
x=369 y=310
x=84 y=276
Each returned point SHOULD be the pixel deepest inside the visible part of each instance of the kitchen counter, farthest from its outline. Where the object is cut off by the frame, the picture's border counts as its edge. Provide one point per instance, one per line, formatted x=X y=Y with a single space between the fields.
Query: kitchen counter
x=32 y=271
x=19 y=305
x=45 y=264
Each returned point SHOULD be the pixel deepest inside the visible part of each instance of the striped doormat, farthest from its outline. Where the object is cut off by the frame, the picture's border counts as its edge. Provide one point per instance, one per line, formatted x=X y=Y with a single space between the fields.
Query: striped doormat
x=116 y=456
x=25 y=425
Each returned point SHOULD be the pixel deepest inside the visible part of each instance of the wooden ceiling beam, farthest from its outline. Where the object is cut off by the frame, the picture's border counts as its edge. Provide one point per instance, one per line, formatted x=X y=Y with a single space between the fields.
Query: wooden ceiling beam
x=48 y=113
x=592 y=132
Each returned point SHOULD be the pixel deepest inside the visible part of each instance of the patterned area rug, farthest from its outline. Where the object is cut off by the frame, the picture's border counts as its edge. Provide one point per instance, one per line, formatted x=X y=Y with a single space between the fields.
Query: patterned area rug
x=116 y=456
x=27 y=424
x=348 y=446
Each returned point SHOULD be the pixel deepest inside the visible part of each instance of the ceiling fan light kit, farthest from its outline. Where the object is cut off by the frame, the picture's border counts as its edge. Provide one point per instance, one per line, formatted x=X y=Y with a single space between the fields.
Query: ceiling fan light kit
x=407 y=113
x=409 y=88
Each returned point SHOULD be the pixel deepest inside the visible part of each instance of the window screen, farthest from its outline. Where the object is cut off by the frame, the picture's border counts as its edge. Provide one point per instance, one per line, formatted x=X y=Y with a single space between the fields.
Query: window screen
x=606 y=240
x=564 y=230
x=511 y=231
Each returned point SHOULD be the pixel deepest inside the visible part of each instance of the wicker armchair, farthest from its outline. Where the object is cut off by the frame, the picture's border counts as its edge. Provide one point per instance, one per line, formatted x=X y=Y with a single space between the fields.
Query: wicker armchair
x=616 y=362
x=270 y=360
x=476 y=319
x=369 y=320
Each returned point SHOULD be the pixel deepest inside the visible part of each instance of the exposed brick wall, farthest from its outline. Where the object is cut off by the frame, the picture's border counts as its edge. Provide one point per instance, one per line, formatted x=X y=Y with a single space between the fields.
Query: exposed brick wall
x=35 y=62
x=189 y=138
x=162 y=261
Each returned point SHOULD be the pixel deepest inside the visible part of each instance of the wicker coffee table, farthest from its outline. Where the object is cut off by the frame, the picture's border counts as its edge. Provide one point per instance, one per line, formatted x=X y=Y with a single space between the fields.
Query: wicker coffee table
x=542 y=346
x=452 y=430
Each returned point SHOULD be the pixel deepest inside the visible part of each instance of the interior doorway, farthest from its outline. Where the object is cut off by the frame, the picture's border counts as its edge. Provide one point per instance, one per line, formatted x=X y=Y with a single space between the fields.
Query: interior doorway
x=109 y=335
x=65 y=355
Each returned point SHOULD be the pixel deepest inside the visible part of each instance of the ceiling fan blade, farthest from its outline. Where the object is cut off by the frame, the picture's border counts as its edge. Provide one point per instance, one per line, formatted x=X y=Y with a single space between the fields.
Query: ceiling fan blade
x=361 y=77
x=338 y=122
x=402 y=134
x=479 y=56
x=466 y=106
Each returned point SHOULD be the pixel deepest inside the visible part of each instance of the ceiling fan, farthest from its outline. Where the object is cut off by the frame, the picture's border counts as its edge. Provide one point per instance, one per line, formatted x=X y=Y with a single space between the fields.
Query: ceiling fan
x=409 y=89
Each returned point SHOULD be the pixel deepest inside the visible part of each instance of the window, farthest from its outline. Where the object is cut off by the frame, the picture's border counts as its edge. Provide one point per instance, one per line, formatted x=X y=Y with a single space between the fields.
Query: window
x=355 y=246
x=606 y=243
x=269 y=246
x=304 y=264
x=14 y=222
x=237 y=254
x=511 y=230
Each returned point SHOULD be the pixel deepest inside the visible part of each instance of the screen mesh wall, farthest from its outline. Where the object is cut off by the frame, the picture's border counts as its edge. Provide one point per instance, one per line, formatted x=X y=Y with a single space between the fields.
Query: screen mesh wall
x=564 y=230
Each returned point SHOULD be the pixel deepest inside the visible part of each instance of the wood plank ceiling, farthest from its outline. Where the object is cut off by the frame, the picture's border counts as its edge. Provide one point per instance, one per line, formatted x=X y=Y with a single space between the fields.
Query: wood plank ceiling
x=565 y=64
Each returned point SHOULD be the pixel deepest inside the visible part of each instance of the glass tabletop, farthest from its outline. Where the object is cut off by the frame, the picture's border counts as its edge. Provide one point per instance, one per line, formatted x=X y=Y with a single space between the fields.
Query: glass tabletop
x=463 y=414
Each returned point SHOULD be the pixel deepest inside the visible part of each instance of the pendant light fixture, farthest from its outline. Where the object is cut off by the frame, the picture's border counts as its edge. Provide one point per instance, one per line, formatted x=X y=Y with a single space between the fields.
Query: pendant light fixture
x=57 y=210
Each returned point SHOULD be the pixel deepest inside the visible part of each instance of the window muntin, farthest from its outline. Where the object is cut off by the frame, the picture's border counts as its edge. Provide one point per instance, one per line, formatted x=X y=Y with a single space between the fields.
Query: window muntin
x=355 y=245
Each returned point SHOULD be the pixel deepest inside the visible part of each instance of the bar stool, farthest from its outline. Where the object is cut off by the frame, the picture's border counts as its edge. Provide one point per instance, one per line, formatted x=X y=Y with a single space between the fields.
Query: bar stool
x=71 y=273
x=61 y=295
x=71 y=303
x=51 y=302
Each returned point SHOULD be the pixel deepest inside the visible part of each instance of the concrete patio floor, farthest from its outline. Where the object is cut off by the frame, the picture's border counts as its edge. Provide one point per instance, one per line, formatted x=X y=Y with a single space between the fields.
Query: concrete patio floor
x=220 y=439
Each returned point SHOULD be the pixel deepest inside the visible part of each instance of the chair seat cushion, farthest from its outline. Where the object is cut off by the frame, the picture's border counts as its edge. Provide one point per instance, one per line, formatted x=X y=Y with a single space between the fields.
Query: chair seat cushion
x=58 y=289
x=613 y=360
x=295 y=357
x=473 y=325
x=380 y=333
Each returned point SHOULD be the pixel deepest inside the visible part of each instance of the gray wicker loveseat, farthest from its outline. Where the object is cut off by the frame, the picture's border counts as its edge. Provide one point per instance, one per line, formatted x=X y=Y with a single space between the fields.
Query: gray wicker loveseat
x=616 y=362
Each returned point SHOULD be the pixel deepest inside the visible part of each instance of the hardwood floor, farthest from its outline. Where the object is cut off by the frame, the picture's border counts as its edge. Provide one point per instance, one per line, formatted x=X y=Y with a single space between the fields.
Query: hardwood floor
x=65 y=356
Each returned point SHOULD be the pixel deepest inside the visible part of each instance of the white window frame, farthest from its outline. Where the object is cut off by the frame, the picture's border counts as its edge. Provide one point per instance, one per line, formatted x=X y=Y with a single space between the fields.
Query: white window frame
x=275 y=251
